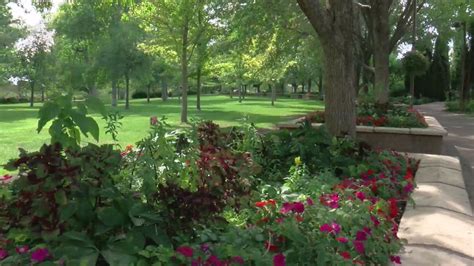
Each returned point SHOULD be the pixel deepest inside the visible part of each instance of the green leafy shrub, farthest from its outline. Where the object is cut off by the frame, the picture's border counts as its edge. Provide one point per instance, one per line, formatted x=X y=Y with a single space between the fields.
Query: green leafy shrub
x=415 y=63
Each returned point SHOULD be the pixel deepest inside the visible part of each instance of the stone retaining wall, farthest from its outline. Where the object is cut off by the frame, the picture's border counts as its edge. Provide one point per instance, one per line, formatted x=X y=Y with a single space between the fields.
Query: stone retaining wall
x=417 y=140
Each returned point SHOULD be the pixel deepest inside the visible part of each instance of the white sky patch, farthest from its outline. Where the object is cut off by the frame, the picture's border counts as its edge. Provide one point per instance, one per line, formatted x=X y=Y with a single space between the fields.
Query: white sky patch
x=31 y=18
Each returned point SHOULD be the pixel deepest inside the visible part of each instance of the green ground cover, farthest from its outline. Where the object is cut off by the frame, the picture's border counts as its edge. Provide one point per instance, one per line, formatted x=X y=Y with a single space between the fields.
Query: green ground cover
x=18 y=121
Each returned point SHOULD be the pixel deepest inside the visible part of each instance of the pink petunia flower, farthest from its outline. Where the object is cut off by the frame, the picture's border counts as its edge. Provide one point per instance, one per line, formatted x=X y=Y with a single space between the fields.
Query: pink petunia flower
x=359 y=247
x=309 y=201
x=346 y=255
x=3 y=254
x=185 y=251
x=342 y=239
x=361 y=236
x=279 y=260
x=375 y=221
x=360 y=195
x=396 y=259
x=40 y=255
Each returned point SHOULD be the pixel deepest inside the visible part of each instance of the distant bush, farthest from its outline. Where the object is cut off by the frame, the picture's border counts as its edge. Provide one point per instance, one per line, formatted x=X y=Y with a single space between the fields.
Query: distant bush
x=454 y=106
x=10 y=100
x=143 y=95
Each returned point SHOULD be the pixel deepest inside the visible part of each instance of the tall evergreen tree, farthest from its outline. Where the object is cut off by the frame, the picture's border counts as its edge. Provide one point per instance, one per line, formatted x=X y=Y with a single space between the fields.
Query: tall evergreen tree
x=439 y=75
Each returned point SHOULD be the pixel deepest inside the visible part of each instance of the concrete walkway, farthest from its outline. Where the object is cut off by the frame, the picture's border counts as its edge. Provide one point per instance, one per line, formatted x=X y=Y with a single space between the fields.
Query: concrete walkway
x=459 y=142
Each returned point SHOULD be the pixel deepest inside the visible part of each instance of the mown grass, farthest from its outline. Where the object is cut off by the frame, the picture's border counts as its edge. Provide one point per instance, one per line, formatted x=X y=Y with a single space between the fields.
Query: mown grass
x=18 y=121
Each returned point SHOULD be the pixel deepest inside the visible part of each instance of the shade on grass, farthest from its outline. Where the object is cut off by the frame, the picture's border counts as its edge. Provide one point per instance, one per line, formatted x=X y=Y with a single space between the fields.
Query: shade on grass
x=18 y=121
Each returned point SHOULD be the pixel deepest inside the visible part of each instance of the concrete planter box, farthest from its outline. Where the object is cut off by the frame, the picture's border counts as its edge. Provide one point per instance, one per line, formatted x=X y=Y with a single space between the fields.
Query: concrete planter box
x=439 y=228
x=416 y=140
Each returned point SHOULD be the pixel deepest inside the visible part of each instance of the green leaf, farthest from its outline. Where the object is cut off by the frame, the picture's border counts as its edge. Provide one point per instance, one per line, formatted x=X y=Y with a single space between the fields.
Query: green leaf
x=111 y=217
x=60 y=197
x=68 y=211
x=49 y=111
x=96 y=105
x=118 y=259
x=86 y=124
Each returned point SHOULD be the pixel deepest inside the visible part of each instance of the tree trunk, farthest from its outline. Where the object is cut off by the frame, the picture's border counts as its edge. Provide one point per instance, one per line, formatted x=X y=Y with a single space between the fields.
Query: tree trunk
x=32 y=96
x=273 y=89
x=295 y=87
x=198 y=89
x=381 y=35
x=114 y=93
x=164 y=90
x=334 y=24
x=245 y=91
x=127 y=91
x=309 y=85
x=148 y=88
x=302 y=88
x=240 y=93
x=258 y=89
x=184 y=71
x=412 y=89
x=42 y=94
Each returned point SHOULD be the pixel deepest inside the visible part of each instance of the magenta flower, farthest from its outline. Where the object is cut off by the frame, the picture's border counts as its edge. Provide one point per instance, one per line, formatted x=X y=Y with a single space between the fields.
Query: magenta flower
x=361 y=236
x=279 y=260
x=408 y=188
x=309 y=201
x=333 y=228
x=214 y=261
x=3 y=254
x=205 y=247
x=296 y=207
x=396 y=259
x=360 y=195
x=342 y=239
x=185 y=251
x=375 y=220
x=40 y=255
x=359 y=247
x=22 y=250
x=331 y=200
x=238 y=260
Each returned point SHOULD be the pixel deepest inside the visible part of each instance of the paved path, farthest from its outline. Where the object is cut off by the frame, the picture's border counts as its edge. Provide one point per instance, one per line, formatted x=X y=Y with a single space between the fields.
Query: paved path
x=460 y=140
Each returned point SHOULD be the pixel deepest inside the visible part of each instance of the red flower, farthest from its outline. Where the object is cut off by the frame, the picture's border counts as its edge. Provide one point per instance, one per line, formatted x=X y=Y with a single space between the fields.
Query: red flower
x=408 y=188
x=359 y=247
x=346 y=255
x=342 y=239
x=40 y=255
x=299 y=218
x=263 y=220
x=393 y=208
x=260 y=204
x=409 y=175
x=185 y=251
x=395 y=259
x=309 y=201
x=333 y=228
x=370 y=172
x=279 y=260
x=271 y=202
x=298 y=207
x=270 y=247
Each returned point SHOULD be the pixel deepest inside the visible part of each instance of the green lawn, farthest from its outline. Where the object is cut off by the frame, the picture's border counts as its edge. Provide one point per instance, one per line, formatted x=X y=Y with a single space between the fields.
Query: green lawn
x=18 y=121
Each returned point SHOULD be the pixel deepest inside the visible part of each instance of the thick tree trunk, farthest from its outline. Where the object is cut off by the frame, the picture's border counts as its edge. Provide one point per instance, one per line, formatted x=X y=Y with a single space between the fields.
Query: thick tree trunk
x=295 y=87
x=258 y=89
x=381 y=34
x=32 y=95
x=127 y=91
x=334 y=23
x=114 y=93
x=184 y=72
x=198 y=89
x=240 y=93
x=309 y=85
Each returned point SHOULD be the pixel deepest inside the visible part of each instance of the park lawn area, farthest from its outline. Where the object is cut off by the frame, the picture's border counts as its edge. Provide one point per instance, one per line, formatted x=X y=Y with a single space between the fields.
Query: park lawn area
x=18 y=121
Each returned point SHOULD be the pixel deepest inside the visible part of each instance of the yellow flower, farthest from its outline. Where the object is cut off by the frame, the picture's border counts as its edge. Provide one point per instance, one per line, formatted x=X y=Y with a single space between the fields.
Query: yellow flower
x=298 y=160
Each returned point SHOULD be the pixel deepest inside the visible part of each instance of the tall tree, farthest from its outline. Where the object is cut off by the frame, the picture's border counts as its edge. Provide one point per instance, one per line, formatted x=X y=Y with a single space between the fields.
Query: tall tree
x=334 y=24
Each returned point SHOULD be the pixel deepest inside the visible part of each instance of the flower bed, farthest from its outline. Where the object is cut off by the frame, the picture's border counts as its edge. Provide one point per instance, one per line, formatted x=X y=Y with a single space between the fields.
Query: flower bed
x=399 y=116
x=206 y=197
